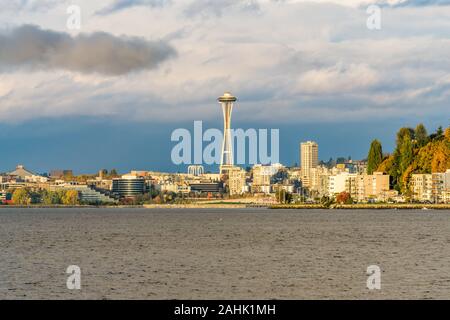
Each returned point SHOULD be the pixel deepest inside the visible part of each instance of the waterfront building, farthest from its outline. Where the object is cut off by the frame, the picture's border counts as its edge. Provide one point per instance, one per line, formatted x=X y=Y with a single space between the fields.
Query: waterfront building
x=262 y=177
x=375 y=185
x=207 y=187
x=421 y=186
x=129 y=186
x=360 y=187
x=434 y=187
x=338 y=183
x=441 y=187
x=309 y=159
x=90 y=195
x=237 y=181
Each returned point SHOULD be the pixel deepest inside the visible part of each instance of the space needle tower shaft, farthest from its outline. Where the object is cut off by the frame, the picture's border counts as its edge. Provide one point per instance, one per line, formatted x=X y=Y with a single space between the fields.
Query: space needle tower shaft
x=227 y=160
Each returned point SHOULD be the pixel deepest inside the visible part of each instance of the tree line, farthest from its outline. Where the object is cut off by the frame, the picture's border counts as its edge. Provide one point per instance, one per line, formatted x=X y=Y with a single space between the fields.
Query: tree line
x=415 y=152
x=25 y=196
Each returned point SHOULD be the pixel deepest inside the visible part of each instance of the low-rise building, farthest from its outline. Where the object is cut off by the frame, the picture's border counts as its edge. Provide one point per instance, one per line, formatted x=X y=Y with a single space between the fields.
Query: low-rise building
x=129 y=186
x=27 y=176
x=421 y=186
x=360 y=187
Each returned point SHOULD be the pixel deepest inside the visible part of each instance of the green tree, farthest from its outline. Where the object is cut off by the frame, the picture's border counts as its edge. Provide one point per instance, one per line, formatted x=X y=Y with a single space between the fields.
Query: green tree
x=51 y=197
x=375 y=157
x=421 y=135
x=400 y=160
x=113 y=173
x=21 y=197
x=70 y=198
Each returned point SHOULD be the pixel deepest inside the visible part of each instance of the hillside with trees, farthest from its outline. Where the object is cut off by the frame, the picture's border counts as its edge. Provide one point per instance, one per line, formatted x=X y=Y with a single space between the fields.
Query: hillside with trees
x=416 y=152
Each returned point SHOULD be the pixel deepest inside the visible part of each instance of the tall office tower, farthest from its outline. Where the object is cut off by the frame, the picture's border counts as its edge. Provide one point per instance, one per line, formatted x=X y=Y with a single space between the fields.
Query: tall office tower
x=309 y=159
x=227 y=161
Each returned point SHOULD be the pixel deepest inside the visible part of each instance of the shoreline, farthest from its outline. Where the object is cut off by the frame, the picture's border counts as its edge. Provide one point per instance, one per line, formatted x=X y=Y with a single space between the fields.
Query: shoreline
x=246 y=206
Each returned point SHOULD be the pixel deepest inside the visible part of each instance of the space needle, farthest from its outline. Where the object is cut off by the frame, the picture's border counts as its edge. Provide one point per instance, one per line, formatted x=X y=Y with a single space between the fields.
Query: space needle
x=227 y=160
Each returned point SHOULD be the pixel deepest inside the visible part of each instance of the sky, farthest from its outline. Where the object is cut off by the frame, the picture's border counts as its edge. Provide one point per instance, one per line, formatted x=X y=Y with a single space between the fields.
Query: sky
x=109 y=95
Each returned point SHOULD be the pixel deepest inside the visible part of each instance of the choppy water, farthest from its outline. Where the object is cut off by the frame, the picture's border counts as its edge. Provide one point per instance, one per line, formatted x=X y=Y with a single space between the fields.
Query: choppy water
x=223 y=254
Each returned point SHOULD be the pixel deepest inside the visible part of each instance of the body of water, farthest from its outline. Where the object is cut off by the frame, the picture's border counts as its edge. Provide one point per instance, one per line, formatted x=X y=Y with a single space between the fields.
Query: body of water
x=224 y=254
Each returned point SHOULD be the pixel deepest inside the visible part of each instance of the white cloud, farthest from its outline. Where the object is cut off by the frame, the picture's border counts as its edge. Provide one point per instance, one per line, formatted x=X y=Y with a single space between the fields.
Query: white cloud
x=307 y=60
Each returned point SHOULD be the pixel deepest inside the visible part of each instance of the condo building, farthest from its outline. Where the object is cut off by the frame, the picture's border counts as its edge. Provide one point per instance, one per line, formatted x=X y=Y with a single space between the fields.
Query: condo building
x=262 y=177
x=360 y=187
x=309 y=159
x=237 y=181
x=421 y=186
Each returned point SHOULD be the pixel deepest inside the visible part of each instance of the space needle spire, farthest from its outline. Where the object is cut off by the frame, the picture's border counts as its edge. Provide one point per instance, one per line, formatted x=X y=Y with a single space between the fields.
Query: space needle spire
x=227 y=160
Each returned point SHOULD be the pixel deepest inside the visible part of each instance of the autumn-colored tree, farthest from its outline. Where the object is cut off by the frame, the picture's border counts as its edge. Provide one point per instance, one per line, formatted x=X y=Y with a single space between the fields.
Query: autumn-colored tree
x=21 y=197
x=70 y=198
x=51 y=197
x=344 y=198
x=408 y=158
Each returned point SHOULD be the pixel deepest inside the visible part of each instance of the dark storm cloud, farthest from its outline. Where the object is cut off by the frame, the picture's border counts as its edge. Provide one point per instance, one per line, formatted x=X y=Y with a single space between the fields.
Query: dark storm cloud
x=31 y=47
x=119 y=5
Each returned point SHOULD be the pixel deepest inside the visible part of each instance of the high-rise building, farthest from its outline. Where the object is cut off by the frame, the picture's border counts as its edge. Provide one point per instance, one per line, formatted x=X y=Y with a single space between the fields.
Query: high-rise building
x=227 y=160
x=237 y=181
x=309 y=159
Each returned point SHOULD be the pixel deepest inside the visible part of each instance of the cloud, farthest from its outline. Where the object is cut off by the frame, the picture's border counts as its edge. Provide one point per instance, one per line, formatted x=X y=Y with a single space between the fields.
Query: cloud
x=309 y=61
x=217 y=8
x=28 y=5
x=338 y=79
x=30 y=47
x=119 y=5
x=413 y=3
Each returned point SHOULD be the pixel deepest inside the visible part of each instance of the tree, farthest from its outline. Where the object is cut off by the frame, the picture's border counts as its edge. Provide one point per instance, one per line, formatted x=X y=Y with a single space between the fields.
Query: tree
x=51 y=197
x=21 y=197
x=375 y=157
x=283 y=196
x=344 y=198
x=406 y=159
x=113 y=173
x=70 y=198
x=421 y=135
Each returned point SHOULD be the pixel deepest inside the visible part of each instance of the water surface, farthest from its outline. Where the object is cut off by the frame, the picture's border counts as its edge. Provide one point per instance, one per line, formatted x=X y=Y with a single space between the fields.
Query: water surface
x=223 y=254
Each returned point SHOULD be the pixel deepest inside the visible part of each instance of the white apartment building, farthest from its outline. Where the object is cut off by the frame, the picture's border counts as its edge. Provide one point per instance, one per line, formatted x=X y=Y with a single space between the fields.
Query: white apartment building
x=262 y=176
x=421 y=186
x=360 y=187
